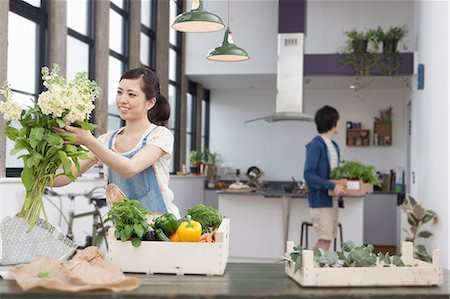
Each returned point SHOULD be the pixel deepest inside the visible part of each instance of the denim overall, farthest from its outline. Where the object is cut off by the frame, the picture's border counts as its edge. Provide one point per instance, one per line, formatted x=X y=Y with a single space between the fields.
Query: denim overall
x=143 y=186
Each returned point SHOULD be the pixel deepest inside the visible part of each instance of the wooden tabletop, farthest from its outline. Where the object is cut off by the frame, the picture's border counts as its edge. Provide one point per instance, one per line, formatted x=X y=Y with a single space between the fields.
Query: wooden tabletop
x=239 y=281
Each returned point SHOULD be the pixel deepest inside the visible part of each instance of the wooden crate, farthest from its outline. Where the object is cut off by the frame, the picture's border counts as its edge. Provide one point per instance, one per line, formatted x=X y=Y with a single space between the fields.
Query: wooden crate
x=172 y=257
x=418 y=273
x=354 y=188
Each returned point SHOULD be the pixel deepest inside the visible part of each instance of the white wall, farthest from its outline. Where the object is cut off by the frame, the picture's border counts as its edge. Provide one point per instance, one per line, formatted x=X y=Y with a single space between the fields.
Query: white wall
x=279 y=148
x=429 y=140
x=252 y=31
x=328 y=20
x=254 y=24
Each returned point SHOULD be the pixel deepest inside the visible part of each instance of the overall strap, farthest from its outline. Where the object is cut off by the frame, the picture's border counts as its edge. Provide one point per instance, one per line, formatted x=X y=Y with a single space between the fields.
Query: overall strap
x=144 y=142
x=110 y=141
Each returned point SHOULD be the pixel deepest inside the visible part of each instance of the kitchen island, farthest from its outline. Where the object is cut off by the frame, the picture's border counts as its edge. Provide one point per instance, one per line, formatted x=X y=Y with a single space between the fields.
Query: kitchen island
x=239 y=281
x=262 y=222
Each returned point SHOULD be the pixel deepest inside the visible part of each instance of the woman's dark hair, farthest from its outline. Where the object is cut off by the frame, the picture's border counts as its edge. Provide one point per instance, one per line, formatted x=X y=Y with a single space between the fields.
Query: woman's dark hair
x=160 y=113
x=326 y=118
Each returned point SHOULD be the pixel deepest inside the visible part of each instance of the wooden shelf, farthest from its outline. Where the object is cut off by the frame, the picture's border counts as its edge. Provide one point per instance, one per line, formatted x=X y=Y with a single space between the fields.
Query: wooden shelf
x=329 y=64
x=382 y=133
x=357 y=137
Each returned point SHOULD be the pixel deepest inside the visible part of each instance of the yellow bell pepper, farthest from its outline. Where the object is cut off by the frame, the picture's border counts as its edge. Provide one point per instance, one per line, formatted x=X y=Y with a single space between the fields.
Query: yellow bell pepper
x=189 y=231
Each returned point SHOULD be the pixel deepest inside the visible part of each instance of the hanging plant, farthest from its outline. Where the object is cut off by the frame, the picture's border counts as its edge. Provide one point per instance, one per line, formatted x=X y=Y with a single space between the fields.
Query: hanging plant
x=390 y=61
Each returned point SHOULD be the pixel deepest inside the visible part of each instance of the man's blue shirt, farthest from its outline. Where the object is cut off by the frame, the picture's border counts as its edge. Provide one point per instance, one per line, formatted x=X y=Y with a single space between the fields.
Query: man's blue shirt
x=317 y=173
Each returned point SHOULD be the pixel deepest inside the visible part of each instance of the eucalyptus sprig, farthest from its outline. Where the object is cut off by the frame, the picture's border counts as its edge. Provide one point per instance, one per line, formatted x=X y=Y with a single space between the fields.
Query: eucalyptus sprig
x=349 y=256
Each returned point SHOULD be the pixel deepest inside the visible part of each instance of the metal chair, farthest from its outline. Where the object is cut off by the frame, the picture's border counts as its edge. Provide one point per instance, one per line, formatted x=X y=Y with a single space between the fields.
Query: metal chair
x=306 y=225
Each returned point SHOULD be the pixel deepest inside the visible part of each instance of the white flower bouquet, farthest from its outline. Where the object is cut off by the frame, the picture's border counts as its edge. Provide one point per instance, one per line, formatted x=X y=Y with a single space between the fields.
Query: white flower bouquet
x=43 y=150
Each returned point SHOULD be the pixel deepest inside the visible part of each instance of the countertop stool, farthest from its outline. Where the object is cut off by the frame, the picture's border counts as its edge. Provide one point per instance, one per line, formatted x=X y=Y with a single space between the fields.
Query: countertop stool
x=307 y=224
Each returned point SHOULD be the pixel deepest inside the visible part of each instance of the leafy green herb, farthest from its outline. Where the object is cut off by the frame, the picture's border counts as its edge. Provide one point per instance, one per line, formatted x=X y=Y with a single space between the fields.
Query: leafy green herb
x=129 y=220
x=354 y=170
x=209 y=217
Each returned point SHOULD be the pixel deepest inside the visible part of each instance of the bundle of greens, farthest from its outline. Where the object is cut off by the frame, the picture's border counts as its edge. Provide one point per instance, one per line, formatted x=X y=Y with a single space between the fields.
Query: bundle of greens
x=209 y=217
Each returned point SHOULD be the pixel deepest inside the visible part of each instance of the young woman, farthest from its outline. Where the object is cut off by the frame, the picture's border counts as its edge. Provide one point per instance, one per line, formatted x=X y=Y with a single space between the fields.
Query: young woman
x=137 y=156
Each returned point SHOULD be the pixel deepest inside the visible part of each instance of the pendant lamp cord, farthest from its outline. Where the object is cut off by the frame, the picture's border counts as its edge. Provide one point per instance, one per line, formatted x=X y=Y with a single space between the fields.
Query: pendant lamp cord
x=228 y=25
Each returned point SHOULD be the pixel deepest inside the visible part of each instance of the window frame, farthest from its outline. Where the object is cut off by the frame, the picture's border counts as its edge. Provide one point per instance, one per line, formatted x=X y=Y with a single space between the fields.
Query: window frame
x=39 y=16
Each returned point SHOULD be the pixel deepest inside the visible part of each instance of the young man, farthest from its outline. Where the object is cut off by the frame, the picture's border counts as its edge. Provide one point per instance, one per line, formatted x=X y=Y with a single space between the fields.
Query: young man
x=322 y=155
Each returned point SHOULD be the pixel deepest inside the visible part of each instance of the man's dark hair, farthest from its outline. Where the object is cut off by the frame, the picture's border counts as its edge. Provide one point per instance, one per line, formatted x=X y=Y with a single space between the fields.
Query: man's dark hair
x=326 y=118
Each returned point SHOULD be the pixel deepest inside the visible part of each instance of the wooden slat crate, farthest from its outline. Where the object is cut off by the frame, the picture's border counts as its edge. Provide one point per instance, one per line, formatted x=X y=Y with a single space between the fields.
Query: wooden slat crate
x=172 y=257
x=415 y=273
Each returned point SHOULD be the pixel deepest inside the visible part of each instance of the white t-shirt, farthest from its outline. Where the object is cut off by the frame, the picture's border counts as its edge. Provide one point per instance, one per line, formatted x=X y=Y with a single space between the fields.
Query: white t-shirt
x=332 y=153
x=162 y=138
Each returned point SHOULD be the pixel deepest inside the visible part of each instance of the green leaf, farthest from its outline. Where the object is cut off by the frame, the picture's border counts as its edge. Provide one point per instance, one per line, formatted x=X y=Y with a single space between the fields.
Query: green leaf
x=128 y=230
x=425 y=234
x=136 y=242
x=36 y=135
x=397 y=261
x=85 y=125
x=348 y=246
x=412 y=220
x=11 y=132
x=317 y=252
x=54 y=140
x=331 y=257
x=67 y=136
x=70 y=148
x=36 y=158
x=67 y=166
x=60 y=122
x=27 y=177
x=298 y=263
x=117 y=233
x=17 y=148
x=139 y=230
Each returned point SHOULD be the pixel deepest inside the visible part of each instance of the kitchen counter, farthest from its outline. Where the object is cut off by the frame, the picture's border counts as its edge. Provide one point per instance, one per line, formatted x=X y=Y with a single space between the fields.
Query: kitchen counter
x=272 y=218
x=239 y=281
x=271 y=193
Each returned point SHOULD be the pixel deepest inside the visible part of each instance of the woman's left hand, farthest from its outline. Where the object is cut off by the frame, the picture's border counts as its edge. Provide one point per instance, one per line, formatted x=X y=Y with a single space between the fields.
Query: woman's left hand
x=80 y=136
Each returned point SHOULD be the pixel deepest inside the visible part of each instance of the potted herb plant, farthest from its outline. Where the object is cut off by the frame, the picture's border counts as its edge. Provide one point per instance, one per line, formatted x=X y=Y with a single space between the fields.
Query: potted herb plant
x=209 y=162
x=390 y=61
x=196 y=159
x=390 y=38
x=359 y=51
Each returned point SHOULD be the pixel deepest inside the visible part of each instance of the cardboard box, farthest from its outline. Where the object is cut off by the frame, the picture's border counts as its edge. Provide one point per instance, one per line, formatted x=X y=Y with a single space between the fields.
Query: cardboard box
x=172 y=257
x=354 y=188
x=416 y=272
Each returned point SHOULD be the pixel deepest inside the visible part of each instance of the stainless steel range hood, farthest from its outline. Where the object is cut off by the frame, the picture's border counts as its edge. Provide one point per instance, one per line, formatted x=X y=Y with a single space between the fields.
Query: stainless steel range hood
x=289 y=102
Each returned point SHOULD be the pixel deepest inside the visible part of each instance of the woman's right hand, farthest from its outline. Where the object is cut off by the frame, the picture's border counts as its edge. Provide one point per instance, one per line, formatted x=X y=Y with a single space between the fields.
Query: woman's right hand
x=80 y=135
x=339 y=190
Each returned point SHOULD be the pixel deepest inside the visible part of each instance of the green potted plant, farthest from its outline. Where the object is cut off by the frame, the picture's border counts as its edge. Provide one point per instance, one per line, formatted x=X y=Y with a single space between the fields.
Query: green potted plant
x=196 y=159
x=418 y=216
x=390 y=61
x=359 y=51
x=209 y=162
x=355 y=171
x=390 y=38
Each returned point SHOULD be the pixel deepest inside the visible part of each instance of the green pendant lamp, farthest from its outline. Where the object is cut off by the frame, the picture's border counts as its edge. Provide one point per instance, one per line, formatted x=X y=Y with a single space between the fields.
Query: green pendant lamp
x=197 y=20
x=228 y=51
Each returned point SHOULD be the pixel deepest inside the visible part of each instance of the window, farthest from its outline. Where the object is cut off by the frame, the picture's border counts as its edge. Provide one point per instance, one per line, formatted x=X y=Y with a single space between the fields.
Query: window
x=80 y=42
x=175 y=83
x=148 y=34
x=205 y=121
x=26 y=55
x=118 y=56
x=191 y=114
